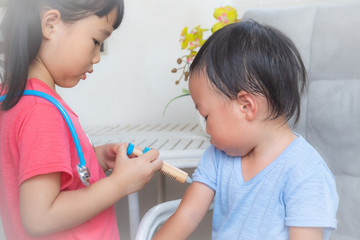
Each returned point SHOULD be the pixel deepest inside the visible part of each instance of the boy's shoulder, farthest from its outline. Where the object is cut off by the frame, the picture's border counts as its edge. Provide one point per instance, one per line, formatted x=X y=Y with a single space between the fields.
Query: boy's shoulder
x=302 y=159
x=301 y=151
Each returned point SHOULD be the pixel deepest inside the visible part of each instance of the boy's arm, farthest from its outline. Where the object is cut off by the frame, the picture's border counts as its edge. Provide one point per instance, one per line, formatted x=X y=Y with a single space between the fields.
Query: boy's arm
x=309 y=233
x=191 y=211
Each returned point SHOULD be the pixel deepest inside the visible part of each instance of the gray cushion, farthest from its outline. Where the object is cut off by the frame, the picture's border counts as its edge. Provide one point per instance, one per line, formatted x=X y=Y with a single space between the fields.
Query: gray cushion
x=333 y=115
x=328 y=38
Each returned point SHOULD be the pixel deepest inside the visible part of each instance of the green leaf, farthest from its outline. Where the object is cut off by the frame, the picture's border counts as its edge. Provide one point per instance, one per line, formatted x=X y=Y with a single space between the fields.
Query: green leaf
x=180 y=96
x=185 y=91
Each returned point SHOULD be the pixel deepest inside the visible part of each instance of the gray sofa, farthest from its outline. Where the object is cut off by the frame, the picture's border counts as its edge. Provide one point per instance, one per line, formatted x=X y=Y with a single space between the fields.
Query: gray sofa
x=328 y=38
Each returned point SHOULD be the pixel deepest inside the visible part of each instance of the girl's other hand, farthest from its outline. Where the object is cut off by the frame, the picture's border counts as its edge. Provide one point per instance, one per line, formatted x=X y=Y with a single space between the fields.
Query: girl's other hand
x=106 y=155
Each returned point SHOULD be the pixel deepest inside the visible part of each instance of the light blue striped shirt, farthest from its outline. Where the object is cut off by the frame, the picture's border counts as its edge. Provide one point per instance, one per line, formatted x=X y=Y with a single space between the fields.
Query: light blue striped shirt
x=296 y=189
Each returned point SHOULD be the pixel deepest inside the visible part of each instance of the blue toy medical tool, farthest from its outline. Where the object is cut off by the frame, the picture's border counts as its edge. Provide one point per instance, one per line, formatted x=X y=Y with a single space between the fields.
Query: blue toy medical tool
x=167 y=169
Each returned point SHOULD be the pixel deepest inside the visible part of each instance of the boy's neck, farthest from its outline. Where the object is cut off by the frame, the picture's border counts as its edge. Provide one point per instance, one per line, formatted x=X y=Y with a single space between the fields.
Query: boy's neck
x=273 y=138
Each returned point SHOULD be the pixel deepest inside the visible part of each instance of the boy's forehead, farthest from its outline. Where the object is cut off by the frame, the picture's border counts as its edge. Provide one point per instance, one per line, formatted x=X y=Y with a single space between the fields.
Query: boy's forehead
x=199 y=74
x=112 y=16
x=199 y=83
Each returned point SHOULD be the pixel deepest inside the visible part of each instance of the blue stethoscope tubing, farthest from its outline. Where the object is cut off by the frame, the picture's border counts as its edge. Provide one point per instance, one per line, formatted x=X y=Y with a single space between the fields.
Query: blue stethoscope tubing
x=83 y=171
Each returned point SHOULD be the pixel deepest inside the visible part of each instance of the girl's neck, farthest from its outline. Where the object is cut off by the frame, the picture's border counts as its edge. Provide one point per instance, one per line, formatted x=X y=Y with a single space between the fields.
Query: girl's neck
x=38 y=70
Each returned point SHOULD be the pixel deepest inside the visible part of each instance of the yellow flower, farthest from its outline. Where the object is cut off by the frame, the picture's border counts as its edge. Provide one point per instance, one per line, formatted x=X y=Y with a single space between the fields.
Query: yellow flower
x=195 y=38
x=225 y=15
x=217 y=26
x=183 y=38
x=198 y=32
x=192 y=40
x=193 y=43
x=191 y=56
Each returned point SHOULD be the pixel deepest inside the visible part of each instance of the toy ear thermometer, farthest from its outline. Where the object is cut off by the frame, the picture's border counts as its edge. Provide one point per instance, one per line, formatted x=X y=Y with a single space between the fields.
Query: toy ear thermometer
x=83 y=171
x=166 y=168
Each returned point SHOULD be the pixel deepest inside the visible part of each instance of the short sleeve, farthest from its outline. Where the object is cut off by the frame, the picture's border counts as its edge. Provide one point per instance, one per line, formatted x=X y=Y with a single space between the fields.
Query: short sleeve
x=207 y=168
x=311 y=199
x=43 y=144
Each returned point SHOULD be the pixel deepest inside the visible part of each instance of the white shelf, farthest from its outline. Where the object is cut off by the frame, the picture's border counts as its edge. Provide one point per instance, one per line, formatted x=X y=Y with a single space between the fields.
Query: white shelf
x=180 y=145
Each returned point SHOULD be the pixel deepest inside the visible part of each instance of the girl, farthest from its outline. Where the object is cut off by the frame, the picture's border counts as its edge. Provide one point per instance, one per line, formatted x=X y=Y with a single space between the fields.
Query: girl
x=52 y=43
x=267 y=182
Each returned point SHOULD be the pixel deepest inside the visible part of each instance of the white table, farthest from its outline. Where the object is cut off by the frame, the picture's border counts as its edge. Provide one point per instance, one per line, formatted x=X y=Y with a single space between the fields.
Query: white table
x=179 y=144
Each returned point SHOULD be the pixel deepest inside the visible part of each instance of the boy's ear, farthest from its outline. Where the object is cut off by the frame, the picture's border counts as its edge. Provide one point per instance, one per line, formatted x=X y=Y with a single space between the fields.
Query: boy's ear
x=248 y=105
x=49 y=21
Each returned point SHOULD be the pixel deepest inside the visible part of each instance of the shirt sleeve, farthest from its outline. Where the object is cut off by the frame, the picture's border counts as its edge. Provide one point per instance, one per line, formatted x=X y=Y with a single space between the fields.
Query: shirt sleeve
x=43 y=142
x=311 y=199
x=207 y=168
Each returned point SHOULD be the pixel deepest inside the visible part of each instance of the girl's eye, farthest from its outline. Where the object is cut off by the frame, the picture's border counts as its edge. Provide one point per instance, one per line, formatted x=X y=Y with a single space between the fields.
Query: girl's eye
x=96 y=42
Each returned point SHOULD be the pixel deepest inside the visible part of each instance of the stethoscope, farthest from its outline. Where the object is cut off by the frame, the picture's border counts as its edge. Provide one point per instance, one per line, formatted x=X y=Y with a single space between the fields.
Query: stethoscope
x=82 y=170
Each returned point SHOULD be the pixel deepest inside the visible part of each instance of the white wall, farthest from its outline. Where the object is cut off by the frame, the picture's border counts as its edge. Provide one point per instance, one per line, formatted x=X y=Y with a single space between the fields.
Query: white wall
x=133 y=82
x=242 y=5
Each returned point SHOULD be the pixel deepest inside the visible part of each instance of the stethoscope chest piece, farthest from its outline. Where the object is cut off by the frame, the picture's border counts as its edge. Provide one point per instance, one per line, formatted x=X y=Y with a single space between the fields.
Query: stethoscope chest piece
x=84 y=175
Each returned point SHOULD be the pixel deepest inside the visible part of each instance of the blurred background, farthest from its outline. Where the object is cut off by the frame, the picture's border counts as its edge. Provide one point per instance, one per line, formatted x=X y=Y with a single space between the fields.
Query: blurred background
x=133 y=81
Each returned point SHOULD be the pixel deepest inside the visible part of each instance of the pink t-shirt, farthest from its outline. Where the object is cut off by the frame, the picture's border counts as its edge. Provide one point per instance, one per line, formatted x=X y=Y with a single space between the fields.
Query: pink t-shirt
x=34 y=140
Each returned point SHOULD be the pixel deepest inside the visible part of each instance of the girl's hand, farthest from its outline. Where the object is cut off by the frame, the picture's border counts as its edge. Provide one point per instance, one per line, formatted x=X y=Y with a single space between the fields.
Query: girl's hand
x=136 y=171
x=45 y=209
x=106 y=155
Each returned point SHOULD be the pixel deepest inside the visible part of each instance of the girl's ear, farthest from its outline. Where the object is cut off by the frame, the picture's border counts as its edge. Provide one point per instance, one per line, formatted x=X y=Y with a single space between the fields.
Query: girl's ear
x=248 y=105
x=49 y=21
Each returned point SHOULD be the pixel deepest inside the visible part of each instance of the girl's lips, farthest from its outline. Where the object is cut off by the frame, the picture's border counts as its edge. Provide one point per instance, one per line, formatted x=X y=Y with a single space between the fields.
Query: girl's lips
x=83 y=76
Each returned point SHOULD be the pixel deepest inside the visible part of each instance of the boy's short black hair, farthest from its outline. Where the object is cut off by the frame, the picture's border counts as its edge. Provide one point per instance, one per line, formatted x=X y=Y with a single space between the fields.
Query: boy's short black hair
x=257 y=59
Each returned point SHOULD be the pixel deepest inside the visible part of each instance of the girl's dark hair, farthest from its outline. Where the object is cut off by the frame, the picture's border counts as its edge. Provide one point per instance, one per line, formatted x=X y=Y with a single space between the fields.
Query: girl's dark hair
x=22 y=36
x=257 y=59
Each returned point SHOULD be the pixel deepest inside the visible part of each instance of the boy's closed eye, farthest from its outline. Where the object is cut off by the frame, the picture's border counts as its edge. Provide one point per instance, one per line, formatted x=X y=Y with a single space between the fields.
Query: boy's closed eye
x=204 y=116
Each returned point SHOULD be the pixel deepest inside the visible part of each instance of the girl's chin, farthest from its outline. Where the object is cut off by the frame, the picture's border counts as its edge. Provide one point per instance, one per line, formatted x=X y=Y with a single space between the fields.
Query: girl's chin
x=69 y=83
x=83 y=76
